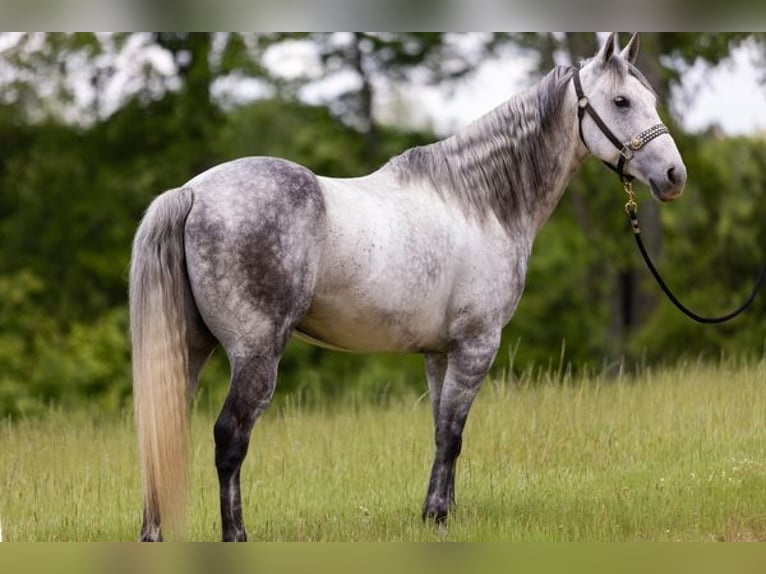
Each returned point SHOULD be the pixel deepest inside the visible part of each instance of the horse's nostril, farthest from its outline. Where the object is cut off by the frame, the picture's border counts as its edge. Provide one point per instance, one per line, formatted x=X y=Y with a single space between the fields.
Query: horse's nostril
x=672 y=175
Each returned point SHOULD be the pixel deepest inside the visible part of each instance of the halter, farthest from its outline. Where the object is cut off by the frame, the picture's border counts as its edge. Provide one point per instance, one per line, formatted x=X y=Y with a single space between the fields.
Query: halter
x=627 y=149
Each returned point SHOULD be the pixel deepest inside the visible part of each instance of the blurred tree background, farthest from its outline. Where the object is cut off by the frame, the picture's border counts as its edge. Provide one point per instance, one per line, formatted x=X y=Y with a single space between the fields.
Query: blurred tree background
x=93 y=126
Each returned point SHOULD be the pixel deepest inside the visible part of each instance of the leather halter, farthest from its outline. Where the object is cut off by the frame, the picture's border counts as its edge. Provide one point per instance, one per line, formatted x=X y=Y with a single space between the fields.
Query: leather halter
x=627 y=149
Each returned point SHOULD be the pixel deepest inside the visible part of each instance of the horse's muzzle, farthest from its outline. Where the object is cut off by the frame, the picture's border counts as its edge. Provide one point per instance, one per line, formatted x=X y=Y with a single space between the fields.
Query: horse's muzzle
x=670 y=185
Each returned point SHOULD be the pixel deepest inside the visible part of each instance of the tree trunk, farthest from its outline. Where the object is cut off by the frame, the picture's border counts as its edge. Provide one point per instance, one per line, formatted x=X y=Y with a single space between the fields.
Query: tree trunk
x=198 y=113
x=641 y=296
x=366 y=96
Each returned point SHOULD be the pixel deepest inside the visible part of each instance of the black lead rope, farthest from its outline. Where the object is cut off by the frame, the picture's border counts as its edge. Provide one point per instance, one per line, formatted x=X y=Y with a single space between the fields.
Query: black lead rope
x=631 y=208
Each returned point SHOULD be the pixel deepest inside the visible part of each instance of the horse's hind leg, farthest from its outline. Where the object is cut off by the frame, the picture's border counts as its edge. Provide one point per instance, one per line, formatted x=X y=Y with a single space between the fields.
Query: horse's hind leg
x=436 y=370
x=252 y=386
x=253 y=245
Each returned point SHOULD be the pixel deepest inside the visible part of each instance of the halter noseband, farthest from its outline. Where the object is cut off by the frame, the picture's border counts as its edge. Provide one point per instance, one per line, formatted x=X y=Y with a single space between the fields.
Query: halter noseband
x=627 y=149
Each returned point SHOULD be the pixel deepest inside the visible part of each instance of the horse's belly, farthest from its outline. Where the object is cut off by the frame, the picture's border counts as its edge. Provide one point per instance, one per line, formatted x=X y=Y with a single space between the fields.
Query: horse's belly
x=372 y=329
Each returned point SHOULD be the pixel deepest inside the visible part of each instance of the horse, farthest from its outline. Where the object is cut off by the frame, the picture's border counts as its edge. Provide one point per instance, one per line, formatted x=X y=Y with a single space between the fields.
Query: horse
x=428 y=254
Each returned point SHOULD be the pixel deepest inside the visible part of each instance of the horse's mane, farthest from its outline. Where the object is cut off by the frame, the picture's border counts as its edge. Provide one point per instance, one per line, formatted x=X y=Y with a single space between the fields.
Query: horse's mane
x=500 y=162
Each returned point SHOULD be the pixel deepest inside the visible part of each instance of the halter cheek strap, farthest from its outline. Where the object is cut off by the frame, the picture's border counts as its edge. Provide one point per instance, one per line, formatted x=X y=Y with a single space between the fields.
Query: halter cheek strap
x=626 y=149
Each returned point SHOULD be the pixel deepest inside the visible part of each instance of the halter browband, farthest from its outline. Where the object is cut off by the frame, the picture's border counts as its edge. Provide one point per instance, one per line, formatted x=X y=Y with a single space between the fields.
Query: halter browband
x=626 y=149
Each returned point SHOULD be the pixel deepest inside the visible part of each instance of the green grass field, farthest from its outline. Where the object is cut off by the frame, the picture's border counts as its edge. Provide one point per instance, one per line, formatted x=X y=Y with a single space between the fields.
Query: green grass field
x=675 y=454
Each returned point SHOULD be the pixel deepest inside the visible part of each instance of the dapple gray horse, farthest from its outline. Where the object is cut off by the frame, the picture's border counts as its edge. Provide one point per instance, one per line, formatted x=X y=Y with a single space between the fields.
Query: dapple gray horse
x=428 y=254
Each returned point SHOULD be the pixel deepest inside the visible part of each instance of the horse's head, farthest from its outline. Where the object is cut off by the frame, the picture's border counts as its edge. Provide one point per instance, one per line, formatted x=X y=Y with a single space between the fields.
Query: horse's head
x=619 y=122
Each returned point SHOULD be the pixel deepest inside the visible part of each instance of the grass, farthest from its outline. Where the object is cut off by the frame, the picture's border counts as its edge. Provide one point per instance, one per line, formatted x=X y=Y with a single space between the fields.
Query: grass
x=674 y=454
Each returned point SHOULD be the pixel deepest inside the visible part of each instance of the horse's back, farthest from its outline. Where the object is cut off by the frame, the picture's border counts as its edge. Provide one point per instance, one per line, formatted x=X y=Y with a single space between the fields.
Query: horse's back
x=253 y=241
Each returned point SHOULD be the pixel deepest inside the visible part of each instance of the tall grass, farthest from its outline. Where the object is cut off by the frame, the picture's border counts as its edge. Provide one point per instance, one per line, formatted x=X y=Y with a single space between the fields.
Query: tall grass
x=672 y=454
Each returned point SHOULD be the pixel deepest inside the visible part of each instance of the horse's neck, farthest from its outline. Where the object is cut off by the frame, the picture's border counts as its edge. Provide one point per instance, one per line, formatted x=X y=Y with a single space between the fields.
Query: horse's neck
x=514 y=162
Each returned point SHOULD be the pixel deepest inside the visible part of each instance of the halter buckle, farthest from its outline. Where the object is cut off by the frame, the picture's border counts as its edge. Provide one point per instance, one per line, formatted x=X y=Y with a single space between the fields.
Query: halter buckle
x=626 y=152
x=582 y=102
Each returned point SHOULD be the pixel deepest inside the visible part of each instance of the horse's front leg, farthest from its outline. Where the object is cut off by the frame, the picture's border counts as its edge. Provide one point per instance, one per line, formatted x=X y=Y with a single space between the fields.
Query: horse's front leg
x=467 y=365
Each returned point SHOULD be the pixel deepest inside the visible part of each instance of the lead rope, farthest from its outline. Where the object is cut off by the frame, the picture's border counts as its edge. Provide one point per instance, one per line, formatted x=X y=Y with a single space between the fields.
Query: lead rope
x=631 y=208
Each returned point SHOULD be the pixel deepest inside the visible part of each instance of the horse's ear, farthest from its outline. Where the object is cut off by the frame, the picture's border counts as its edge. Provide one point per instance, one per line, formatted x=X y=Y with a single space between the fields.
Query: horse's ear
x=630 y=52
x=609 y=48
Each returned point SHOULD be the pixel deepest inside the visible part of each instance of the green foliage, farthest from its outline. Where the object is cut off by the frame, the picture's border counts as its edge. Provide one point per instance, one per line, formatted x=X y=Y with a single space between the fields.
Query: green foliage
x=713 y=251
x=303 y=134
x=42 y=363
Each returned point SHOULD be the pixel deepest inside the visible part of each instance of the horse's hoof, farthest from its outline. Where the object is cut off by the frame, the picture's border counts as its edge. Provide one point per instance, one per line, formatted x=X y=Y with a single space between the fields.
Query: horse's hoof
x=150 y=537
x=234 y=536
x=436 y=514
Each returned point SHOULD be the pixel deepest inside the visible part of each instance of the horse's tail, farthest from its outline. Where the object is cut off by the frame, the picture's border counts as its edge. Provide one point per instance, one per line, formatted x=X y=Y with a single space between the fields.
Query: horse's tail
x=160 y=301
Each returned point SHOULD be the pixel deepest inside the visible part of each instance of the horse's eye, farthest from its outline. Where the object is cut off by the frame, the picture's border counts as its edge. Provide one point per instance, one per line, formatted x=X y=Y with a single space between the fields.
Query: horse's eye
x=622 y=102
